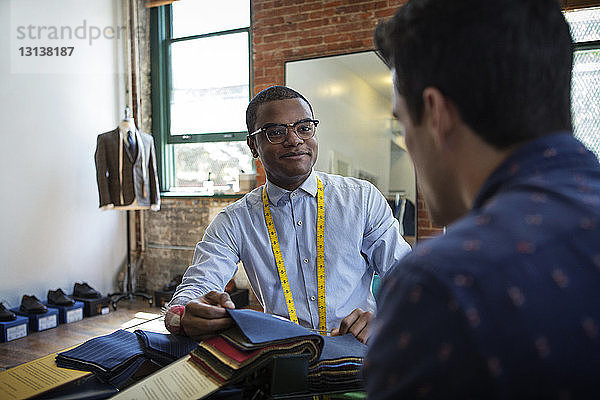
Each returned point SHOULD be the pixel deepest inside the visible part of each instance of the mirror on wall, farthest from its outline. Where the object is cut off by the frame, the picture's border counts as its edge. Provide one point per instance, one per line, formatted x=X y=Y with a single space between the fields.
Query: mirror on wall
x=351 y=95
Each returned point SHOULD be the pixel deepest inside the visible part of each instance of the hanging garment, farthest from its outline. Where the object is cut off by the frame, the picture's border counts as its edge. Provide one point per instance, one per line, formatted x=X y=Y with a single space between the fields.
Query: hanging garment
x=127 y=174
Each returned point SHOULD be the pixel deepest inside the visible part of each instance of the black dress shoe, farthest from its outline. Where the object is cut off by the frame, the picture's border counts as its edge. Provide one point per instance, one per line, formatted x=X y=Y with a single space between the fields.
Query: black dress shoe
x=6 y=315
x=59 y=298
x=31 y=305
x=85 y=291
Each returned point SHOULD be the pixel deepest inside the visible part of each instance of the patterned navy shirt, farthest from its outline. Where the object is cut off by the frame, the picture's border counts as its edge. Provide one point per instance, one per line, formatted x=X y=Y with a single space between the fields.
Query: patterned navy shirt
x=506 y=304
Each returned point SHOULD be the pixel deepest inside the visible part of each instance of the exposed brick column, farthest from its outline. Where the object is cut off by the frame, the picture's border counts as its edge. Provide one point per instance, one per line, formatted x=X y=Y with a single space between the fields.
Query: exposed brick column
x=425 y=228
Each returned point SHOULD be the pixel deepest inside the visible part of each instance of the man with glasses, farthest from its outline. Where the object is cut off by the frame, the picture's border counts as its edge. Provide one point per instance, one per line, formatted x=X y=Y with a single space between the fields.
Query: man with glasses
x=309 y=242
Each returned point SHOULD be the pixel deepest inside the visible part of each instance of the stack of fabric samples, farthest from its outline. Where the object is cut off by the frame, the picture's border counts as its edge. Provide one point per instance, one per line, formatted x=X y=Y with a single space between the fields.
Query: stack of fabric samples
x=113 y=358
x=338 y=366
x=334 y=363
x=116 y=357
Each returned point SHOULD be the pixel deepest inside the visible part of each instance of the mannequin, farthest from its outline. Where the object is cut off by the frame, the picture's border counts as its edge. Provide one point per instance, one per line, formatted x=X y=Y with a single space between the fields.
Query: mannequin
x=127 y=179
x=128 y=133
x=126 y=168
x=127 y=124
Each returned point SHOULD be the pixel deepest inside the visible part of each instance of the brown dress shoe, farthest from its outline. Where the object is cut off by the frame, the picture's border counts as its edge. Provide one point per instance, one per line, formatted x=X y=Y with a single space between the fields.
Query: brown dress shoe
x=31 y=305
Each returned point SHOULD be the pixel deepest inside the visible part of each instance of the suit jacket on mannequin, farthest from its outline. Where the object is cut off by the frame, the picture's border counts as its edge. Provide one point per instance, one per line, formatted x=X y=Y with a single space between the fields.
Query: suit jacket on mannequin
x=132 y=179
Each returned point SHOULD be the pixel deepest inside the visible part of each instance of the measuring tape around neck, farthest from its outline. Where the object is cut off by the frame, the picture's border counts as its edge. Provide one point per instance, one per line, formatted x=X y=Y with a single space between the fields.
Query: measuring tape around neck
x=285 y=283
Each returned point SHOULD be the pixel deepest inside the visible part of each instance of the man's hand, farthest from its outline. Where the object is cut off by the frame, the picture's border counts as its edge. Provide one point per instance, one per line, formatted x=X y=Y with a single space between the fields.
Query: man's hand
x=206 y=315
x=357 y=323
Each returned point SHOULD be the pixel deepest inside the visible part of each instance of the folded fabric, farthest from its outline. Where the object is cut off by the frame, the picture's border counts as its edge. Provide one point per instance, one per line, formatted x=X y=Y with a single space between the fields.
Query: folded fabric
x=122 y=375
x=162 y=348
x=116 y=357
x=109 y=356
x=260 y=328
x=227 y=362
x=334 y=362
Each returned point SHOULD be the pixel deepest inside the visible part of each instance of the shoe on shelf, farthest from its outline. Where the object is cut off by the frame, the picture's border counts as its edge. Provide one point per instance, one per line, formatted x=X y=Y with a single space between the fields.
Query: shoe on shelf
x=171 y=286
x=6 y=315
x=85 y=291
x=31 y=305
x=59 y=298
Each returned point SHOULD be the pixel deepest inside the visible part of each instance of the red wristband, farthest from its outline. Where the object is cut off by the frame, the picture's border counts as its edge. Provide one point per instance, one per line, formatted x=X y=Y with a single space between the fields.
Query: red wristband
x=173 y=319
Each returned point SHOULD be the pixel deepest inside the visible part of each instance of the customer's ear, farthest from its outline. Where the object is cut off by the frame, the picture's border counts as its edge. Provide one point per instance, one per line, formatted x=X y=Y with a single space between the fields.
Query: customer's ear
x=440 y=115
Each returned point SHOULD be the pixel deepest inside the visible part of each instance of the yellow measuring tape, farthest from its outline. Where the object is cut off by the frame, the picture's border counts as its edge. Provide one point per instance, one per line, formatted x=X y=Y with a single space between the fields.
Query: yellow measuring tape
x=285 y=283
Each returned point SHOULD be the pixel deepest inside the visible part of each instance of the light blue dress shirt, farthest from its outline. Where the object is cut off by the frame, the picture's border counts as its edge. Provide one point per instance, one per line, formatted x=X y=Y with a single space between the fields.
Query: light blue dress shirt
x=361 y=237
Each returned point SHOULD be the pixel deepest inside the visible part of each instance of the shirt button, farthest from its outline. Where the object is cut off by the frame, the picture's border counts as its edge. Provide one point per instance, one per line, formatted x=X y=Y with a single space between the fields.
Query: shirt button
x=313 y=298
x=306 y=260
x=300 y=223
x=293 y=194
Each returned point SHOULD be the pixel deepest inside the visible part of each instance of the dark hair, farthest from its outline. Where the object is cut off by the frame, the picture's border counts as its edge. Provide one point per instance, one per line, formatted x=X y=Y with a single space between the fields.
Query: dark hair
x=506 y=64
x=271 y=93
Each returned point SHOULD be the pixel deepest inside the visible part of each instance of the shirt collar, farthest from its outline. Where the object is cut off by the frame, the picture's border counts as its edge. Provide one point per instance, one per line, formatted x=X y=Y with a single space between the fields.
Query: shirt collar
x=309 y=185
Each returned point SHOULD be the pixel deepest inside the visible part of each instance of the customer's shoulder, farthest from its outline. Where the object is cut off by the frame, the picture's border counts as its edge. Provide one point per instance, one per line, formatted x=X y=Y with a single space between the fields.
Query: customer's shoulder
x=472 y=242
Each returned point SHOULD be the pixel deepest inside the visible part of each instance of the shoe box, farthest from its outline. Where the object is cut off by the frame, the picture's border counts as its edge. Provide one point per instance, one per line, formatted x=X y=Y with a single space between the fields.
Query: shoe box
x=92 y=307
x=15 y=329
x=39 y=322
x=68 y=314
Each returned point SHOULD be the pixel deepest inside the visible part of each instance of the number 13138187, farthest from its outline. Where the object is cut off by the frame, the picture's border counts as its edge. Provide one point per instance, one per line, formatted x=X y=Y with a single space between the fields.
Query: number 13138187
x=46 y=51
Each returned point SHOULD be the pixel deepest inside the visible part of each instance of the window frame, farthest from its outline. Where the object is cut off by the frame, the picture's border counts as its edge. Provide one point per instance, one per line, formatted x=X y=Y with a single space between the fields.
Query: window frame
x=161 y=19
x=583 y=46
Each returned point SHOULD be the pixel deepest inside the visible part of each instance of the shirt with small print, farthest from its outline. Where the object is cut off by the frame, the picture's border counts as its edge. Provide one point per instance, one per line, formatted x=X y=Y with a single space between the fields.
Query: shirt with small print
x=506 y=304
x=361 y=237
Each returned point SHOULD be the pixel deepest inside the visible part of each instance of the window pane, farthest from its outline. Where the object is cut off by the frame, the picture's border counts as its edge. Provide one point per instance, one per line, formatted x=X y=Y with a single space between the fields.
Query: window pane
x=585 y=24
x=586 y=98
x=210 y=85
x=224 y=161
x=196 y=17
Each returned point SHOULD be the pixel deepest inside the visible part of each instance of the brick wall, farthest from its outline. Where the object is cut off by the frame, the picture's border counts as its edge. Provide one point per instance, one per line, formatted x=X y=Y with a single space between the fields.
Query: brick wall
x=171 y=235
x=425 y=228
x=286 y=30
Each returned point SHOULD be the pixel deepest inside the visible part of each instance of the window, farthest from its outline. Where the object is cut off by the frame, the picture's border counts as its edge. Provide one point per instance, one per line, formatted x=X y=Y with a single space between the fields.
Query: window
x=585 y=29
x=200 y=90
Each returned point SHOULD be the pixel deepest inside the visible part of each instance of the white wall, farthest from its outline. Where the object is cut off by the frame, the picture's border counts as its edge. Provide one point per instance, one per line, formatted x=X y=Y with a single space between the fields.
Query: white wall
x=52 y=232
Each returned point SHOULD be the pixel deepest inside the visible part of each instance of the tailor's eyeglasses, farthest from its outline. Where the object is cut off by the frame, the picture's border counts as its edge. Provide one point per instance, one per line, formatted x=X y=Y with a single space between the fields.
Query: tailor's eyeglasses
x=277 y=133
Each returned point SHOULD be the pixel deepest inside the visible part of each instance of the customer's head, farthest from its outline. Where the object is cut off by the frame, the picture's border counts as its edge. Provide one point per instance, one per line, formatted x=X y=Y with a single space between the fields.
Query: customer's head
x=289 y=156
x=505 y=64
